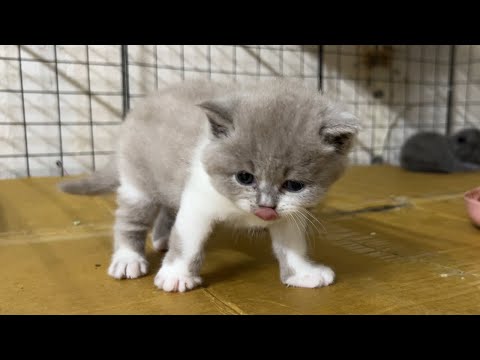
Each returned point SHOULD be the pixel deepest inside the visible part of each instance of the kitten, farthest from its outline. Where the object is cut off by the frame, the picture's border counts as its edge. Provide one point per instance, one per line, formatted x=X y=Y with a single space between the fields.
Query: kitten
x=433 y=152
x=199 y=153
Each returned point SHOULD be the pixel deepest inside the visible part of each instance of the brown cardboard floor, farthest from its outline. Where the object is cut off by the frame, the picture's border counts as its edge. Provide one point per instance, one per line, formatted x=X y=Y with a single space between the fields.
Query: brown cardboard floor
x=400 y=243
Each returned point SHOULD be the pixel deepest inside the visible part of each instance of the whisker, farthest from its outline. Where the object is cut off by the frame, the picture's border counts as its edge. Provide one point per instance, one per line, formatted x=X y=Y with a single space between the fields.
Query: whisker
x=305 y=232
x=312 y=216
x=296 y=224
x=310 y=221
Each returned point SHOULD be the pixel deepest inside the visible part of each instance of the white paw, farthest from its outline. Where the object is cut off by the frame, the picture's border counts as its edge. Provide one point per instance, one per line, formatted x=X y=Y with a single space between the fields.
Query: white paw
x=127 y=264
x=171 y=280
x=161 y=243
x=317 y=276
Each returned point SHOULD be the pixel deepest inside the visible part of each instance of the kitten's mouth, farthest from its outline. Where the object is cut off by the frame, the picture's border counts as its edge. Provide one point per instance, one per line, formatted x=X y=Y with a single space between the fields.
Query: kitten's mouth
x=266 y=213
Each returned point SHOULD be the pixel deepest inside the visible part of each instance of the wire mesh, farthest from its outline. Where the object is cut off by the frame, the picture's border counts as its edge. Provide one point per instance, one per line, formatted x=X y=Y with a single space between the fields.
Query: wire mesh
x=60 y=106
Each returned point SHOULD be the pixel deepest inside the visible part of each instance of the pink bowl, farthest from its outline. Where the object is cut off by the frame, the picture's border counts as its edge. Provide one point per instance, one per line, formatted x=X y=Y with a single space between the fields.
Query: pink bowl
x=472 y=202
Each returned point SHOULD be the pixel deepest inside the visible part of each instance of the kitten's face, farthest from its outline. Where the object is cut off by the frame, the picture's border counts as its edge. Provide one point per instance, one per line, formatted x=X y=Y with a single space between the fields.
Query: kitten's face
x=275 y=154
x=466 y=145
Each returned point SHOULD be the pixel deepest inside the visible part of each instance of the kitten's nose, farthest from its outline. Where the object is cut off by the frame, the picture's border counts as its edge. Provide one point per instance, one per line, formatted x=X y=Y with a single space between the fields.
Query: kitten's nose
x=266 y=213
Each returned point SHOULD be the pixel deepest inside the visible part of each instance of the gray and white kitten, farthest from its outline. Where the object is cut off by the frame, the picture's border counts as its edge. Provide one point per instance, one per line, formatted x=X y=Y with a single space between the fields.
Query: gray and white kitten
x=199 y=152
x=433 y=152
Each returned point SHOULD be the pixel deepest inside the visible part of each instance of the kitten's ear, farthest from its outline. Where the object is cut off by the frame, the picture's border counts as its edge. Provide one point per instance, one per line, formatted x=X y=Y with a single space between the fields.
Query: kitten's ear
x=219 y=116
x=340 y=131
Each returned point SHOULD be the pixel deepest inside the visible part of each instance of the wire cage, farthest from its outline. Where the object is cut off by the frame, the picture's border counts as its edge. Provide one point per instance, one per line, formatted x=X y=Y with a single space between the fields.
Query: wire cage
x=60 y=106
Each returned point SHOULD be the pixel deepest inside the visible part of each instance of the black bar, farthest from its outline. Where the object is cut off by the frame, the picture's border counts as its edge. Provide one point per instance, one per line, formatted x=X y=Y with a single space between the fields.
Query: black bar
x=125 y=85
x=23 y=110
x=451 y=76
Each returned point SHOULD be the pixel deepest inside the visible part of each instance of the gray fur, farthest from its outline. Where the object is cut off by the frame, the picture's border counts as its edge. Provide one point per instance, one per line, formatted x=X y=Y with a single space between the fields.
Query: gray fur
x=175 y=252
x=267 y=195
x=278 y=130
x=466 y=145
x=433 y=152
x=175 y=248
x=162 y=227
x=132 y=222
x=285 y=270
x=100 y=182
x=282 y=132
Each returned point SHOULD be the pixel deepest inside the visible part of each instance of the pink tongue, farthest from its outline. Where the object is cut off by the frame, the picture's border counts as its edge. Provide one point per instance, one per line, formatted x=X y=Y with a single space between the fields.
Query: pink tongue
x=266 y=213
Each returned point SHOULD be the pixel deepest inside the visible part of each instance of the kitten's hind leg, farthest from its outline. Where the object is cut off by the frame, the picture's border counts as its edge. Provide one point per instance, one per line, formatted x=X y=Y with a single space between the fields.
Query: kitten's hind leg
x=161 y=229
x=133 y=218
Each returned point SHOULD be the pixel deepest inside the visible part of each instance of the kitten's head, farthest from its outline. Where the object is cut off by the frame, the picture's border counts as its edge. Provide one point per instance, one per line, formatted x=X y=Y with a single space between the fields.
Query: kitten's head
x=277 y=147
x=466 y=145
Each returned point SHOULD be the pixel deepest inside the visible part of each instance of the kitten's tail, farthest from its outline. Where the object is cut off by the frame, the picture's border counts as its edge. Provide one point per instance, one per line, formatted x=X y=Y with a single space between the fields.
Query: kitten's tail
x=100 y=182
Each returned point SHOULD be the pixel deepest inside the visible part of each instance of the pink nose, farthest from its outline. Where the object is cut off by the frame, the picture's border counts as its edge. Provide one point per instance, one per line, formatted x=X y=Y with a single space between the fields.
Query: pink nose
x=266 y=213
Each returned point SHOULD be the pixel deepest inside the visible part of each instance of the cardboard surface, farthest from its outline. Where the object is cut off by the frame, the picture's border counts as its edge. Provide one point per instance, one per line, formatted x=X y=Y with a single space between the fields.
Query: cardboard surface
x=400 y=243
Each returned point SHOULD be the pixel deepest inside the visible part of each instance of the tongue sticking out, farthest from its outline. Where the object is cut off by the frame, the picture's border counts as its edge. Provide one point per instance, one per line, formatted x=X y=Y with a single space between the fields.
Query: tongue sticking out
x=266 y=213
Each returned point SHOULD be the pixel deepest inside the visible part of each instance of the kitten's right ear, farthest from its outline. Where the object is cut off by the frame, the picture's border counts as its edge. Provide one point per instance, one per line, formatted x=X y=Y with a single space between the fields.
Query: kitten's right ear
x=219 y=117
x=340 y=131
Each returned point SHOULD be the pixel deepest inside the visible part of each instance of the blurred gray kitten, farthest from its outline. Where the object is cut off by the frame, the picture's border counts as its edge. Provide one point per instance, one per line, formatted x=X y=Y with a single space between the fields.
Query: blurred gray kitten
x=433 y=152
x=199 y=152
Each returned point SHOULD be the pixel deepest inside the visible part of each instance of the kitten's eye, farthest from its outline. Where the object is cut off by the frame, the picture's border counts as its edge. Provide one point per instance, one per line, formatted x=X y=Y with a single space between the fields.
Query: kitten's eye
x=244 y=178
x=461 y=140
x=293 y=186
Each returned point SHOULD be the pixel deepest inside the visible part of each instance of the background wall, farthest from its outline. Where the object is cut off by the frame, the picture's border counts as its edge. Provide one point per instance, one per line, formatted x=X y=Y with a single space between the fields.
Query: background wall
x=65 y=103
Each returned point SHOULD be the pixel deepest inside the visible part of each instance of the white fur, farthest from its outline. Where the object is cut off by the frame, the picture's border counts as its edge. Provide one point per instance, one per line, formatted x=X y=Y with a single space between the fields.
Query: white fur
x=176 y=277
x=315 y=276
x=128 y=264
x=130 y=192
x=347 y=116
x=289 y=241
x=306 y=274
x=200 y=206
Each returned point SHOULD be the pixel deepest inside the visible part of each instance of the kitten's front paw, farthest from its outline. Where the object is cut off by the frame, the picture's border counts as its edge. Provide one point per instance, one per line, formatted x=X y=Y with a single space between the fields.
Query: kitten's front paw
x=171 y=280
x=160 y=243
x=127 y=264
x=316 y=277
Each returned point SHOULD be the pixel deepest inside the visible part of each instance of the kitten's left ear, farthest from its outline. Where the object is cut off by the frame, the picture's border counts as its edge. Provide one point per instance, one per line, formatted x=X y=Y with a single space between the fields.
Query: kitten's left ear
x=340 y=131
x=219 y=114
